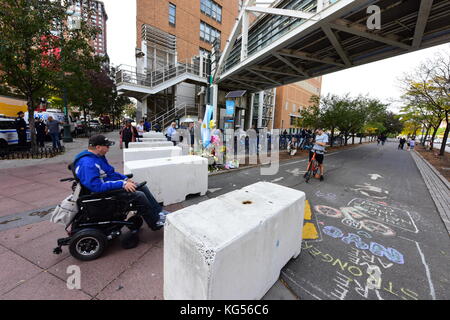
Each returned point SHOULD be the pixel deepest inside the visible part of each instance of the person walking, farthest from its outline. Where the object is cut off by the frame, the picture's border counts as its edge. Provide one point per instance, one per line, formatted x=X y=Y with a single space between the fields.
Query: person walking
x=171 y=133
x=127 y=134
x=412 y=143
x=147 y=125
x=402 y=143
x=383 y=139
x=21 y=128
x=53 y=129
x=41 y=131
x=140 y=130
x=191 y=133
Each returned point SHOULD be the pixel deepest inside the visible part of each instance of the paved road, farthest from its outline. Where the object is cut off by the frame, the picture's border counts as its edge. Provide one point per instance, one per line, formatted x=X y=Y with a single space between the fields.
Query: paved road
x=379 y=235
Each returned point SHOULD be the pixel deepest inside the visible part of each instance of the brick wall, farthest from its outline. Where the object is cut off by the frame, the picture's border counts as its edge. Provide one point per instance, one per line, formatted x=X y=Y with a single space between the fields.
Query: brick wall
x=187 y=28
x=297 y=94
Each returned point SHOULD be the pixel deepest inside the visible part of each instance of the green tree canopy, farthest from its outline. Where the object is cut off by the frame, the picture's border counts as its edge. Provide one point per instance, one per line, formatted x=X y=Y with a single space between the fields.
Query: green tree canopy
x=40 y=53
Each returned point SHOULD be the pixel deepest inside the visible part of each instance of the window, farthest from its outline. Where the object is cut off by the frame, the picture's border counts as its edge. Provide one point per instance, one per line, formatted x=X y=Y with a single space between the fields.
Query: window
x=172 y=14
x=211 y=9
x=205 y=53
x=7 y=124
x=208 y=33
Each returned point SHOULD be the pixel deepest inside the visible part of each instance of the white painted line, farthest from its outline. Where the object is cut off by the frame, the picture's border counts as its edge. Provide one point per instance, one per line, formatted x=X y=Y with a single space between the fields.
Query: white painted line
x=294 y=162
x=427 y=270
x=277 y=179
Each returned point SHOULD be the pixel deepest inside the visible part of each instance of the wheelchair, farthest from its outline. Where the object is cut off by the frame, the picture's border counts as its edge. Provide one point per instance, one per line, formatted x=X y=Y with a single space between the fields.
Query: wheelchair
x=100 y=219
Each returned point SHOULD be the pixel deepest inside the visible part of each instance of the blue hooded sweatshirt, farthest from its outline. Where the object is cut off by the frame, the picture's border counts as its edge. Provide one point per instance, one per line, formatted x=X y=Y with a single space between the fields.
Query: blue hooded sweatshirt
x=96 y=174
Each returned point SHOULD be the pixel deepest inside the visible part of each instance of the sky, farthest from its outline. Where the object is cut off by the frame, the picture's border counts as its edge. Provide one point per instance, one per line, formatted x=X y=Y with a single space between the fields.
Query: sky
x=377 y=80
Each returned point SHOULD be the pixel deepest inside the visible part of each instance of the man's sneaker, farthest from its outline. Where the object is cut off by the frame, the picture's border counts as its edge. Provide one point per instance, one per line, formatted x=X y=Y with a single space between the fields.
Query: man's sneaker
x=158 y=225
x=321 y=178
x=164 y=213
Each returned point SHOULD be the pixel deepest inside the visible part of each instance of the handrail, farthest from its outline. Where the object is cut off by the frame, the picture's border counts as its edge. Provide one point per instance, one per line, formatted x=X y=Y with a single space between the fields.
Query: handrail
x=129 y=74
x=168 y=115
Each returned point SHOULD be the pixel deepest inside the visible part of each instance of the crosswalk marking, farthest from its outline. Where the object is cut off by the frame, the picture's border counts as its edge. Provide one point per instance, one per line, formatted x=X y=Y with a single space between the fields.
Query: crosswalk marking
x=309 y=228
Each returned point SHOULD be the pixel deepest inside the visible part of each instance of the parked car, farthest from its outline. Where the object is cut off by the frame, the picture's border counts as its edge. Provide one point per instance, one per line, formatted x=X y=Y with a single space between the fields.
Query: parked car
x=94 y=124
x=8 y=133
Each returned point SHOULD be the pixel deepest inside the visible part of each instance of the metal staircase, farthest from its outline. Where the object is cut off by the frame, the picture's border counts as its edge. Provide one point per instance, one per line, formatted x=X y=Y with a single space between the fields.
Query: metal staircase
x=140 y=85
x=182 y=110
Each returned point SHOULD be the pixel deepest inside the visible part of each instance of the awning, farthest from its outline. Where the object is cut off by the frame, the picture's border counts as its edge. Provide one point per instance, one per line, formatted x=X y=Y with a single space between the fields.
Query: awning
x=235 y=94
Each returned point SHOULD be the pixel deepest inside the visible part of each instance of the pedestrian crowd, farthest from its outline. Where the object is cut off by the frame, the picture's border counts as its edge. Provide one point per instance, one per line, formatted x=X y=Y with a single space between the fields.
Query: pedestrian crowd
x=410 y=143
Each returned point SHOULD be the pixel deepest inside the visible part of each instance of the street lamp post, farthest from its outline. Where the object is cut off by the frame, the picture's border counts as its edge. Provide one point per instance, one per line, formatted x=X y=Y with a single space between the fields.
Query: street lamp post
x=67 y=132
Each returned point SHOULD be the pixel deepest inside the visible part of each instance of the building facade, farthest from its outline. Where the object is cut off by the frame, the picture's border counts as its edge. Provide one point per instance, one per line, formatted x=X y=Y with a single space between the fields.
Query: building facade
x=292 y=98
x=194 y=23
x=97 y=18
x=178 y=31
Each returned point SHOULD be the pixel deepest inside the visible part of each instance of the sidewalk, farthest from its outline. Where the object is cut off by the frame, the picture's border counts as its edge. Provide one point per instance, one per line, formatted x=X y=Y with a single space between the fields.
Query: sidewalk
x=438 y=186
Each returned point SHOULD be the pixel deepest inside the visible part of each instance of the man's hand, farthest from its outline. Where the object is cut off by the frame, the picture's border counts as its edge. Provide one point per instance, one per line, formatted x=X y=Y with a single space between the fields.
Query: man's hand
x=130 y=186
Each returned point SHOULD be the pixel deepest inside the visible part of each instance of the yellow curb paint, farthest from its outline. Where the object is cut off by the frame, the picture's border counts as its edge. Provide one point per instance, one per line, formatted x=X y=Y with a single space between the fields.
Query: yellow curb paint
x=310 y=231
x=308 y=213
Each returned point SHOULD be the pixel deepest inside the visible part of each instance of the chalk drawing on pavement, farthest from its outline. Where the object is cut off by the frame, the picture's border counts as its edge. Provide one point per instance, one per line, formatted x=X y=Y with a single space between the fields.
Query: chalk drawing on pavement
x=356 y=218
x=385 y=214
x=371 y=191
x=375 y=248
x=328 y=196
x=360 y=273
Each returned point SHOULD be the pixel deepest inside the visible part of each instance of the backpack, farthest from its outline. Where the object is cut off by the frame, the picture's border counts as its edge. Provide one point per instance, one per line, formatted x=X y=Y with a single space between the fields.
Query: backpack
x=66 y=211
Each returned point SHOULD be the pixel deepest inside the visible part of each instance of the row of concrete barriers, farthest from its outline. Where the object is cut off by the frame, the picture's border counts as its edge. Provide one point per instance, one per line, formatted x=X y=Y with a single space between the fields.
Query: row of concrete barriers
x=231 y=247
x=170 y=173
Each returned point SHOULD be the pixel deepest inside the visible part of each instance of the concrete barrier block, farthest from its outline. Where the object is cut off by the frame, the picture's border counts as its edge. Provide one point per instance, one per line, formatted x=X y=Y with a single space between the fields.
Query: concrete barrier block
x=153 y=134
x=150 y=144
x=171 y=179
x=135 y=154
x=232 y=247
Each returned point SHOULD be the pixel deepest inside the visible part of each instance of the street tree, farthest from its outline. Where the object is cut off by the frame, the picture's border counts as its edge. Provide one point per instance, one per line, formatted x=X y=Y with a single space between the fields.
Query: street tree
x=430 y=84
x=40 y=51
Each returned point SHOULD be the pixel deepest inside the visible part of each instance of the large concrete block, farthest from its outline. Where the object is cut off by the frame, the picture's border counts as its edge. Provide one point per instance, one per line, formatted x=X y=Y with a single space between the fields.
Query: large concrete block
x=150 y=144
x=135 y=154
x=232 y=247
x=153 y=134
x=171 y=179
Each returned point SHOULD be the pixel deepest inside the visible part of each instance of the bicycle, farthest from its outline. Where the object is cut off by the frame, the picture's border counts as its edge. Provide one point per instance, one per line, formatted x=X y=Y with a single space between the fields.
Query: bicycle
x=313 y=168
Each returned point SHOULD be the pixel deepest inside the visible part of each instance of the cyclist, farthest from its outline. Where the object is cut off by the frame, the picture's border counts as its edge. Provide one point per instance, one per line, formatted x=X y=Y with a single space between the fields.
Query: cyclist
x=321 y=142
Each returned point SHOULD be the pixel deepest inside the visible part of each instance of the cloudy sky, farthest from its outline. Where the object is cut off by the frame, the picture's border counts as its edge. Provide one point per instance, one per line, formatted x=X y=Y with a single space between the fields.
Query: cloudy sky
x=378 y=79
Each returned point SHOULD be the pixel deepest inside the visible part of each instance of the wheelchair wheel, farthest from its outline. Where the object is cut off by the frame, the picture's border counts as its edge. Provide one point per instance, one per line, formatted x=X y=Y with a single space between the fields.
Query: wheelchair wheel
x=130 y=239
x=88 y=244
x=137 y=221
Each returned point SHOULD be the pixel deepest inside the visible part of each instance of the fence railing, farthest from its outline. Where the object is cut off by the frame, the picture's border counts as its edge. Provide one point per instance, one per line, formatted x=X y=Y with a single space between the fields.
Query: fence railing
x=128 y=74
x=16 y=152
x=182 y=110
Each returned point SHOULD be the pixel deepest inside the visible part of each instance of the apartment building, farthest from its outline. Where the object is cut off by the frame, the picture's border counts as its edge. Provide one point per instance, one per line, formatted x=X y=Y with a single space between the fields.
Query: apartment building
x=179 y=31
x=97 y=17
x=292 y=98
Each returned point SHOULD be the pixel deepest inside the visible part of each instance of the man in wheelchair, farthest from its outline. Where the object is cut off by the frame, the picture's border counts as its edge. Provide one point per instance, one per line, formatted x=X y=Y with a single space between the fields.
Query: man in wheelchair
x=97 y=175
x=105 y=199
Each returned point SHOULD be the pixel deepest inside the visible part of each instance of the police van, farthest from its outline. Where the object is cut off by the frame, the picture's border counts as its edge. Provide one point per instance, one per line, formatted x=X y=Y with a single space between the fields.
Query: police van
x=56 y=115
x=8 y=133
